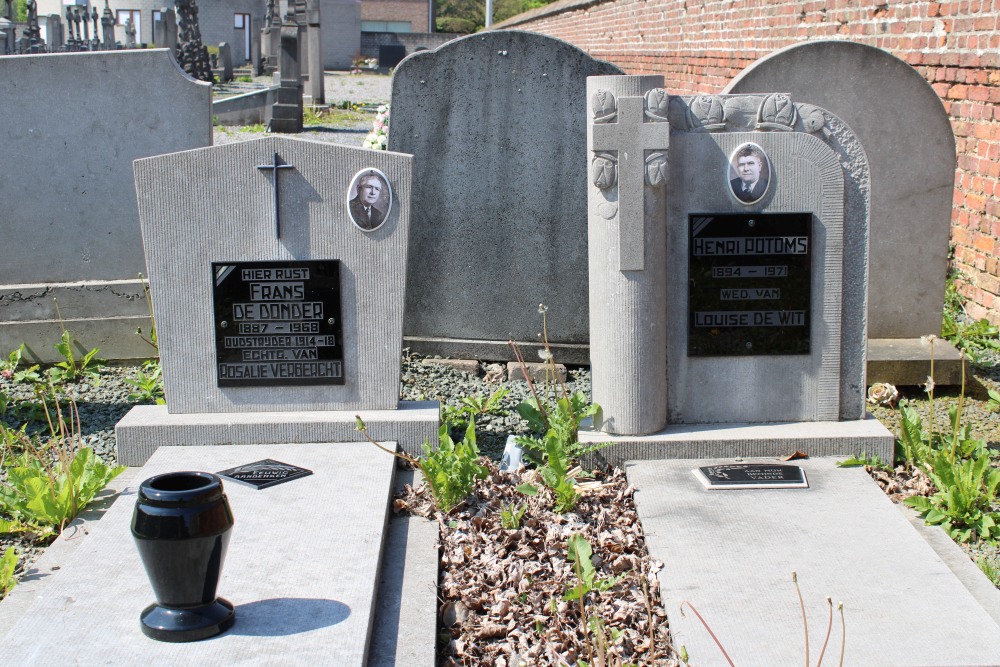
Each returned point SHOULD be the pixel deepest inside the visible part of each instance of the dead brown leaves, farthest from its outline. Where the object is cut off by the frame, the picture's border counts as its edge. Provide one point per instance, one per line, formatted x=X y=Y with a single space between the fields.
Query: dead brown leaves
x=502 y=588
x=900 y=483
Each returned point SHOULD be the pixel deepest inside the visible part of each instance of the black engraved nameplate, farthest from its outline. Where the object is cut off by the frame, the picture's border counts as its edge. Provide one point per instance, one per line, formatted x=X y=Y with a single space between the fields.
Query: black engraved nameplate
x=265 y=473
x=752 y=476
x=749 y=282
x=277 y=323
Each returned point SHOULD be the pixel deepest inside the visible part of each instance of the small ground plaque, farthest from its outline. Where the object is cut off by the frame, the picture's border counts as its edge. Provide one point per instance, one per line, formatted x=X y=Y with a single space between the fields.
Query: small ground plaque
x=278 y=323
x=752 y=476
x=263 y=474
x=749 y=284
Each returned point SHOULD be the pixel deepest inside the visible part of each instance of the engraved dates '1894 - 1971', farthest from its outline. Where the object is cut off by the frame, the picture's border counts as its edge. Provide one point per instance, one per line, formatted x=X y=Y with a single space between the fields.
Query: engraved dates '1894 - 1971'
x=278 y=323
x=749 y=284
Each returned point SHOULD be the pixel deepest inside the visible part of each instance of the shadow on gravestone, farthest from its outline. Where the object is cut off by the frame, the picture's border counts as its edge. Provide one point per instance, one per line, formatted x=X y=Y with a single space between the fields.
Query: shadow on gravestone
x=499 y=200
x=911 y=148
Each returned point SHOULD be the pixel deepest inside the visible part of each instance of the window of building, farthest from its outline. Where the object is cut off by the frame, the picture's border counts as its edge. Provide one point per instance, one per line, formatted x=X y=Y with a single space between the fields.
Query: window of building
x=386 y=26
x=242 y=22
x=134 y=15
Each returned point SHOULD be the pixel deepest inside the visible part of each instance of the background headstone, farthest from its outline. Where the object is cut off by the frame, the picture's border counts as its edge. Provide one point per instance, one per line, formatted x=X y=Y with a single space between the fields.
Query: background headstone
x=314 y=86
x=499 y=215
x=54 y=32
x=225 y=61
x=287 y=111
x=70 y=221
x=907 y=136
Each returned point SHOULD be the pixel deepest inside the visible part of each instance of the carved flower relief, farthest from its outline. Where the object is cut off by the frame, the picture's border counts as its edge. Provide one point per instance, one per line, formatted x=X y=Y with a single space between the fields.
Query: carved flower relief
x=657 y=104
x=777 y=112
x=706 y=113
x=604 y=105
x=656 y=169
x=604 y=170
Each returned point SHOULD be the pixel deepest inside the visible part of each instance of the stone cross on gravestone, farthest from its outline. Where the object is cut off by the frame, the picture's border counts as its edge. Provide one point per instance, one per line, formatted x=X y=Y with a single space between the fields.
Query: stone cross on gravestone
x=629 y=136
x=273 y=168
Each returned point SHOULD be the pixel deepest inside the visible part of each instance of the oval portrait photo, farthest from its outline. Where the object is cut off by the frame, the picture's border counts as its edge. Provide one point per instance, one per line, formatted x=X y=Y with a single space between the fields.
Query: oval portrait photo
x=369 y=199
x=749 y=173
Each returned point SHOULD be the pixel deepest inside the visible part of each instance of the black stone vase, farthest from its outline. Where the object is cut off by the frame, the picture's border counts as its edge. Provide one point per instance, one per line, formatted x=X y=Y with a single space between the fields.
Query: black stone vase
x=181 y=527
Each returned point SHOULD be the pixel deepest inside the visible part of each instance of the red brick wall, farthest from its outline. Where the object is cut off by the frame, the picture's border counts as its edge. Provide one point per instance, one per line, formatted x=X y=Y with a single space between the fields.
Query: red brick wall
x=414 y=11
x=700 y=45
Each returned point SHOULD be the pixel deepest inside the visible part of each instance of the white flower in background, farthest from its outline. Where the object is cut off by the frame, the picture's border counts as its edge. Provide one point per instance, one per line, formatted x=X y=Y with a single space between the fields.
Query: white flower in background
x=378 y=138
x=882 y=393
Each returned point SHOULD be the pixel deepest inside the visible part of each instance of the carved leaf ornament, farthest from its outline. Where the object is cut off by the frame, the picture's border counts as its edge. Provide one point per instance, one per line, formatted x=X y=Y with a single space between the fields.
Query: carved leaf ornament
x=604 y=166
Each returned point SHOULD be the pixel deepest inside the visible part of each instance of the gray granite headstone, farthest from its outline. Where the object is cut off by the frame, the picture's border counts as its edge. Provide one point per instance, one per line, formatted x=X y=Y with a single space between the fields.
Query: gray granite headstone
x=226 y=61
x=220 y=205
x=70 y=222
x=907 y=135
x=493 y=121
x=287 y=111
x=660 y=173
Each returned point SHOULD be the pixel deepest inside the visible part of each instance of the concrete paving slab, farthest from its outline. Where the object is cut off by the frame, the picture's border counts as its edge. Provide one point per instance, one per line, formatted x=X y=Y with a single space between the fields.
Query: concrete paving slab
x=731 y=554
x=301 y=569
x=694 y=441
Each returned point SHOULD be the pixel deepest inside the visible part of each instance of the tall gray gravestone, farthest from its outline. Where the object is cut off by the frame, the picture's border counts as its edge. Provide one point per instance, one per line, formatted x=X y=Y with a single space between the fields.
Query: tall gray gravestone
x=493 y=123
x=70 y=221
x=907 y=135
x=728 y=266
x=286 y=114
x=278 y=297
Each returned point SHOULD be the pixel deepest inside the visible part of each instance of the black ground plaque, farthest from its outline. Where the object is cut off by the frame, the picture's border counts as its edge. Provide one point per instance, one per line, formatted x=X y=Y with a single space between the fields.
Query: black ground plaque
x=752 y=476
x=749 y=284
x=278 y=323
x=263 y=474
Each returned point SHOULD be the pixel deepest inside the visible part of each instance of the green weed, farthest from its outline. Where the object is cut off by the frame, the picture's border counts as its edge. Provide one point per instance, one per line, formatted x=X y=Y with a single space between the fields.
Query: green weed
x=8 y=563
x=511 y=516
x=148 y=384
x=451 y=470
x=47 y=484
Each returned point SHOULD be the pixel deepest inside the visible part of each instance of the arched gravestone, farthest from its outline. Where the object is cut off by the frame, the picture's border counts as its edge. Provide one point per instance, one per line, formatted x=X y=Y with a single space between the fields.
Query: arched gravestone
x=910 y=145
x=499 y=221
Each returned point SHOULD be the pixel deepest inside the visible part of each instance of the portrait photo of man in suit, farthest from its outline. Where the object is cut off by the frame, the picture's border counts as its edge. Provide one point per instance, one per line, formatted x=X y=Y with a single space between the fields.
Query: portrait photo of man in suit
x=749 y=173
x=371 y=199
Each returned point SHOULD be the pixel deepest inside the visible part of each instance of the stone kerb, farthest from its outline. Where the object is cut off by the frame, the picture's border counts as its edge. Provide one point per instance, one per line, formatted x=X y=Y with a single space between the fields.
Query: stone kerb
x=499 y=215
x=69 y=208
x=211 y=205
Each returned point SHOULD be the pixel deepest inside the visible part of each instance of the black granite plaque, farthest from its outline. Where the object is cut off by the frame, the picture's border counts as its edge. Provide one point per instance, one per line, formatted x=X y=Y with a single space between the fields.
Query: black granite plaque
x=278 y=323
x=749 y=284
x=752 y=476
x=263 y=474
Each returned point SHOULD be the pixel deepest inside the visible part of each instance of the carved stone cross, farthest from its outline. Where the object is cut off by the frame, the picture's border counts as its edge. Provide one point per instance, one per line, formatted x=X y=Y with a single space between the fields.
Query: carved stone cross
x=630 y=137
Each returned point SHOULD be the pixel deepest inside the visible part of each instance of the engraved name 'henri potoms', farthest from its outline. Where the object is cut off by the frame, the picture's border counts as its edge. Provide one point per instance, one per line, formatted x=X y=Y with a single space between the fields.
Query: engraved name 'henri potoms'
x=278 y=323
x=749 y=284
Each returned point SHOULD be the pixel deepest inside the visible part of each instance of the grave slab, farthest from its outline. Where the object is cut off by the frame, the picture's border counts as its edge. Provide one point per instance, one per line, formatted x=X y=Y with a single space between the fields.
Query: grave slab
x=148 y=427
x=685 y=441
x=731 y=554
x=301 y=569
